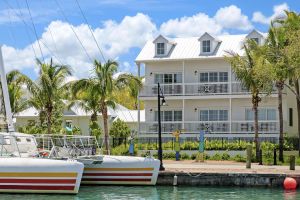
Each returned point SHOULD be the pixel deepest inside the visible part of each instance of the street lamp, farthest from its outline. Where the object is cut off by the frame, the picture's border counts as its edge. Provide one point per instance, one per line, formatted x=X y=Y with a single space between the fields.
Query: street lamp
x=163 y=102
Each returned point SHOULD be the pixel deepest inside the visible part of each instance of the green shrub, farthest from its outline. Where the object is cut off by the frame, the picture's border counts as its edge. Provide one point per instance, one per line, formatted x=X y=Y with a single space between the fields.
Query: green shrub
x=184 y=156
x=225 y=156
x=239 y=158
x=216 y=156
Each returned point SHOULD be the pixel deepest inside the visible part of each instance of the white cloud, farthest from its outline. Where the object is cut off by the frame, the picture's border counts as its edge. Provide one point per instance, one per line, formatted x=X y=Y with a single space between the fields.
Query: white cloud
x=58 y=41
x=278 y=11
x=190 y=26
x=232 y=17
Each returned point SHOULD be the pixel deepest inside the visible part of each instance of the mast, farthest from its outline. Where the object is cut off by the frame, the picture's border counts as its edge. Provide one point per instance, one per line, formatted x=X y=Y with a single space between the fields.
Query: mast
x=8 y=114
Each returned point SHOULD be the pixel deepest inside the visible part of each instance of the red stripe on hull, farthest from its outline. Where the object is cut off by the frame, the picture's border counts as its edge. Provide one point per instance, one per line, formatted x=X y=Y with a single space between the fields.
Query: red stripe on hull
x=117 y=174
x=36 y=187
x=53 y=181
x=117 y=179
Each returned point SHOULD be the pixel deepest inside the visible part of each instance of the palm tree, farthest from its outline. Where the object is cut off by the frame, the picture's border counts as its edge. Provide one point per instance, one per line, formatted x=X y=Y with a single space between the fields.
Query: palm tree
x=248 y=69
x=102 y=84
x=49 y=89
x=15 y=81
x=275 y=43
x=291 y=25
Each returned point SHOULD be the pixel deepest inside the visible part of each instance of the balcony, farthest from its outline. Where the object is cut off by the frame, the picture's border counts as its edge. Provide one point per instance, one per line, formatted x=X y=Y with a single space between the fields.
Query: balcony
x=197 y=89
x=216 y=127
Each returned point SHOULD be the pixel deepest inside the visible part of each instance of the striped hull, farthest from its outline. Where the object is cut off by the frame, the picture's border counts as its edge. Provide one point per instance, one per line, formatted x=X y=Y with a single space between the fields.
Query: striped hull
x=31 y=175
x=136 y=172
x=37 y=182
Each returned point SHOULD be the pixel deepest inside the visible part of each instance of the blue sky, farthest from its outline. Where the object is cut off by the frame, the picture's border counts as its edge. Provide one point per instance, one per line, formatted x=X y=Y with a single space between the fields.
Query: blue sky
x=121 y=27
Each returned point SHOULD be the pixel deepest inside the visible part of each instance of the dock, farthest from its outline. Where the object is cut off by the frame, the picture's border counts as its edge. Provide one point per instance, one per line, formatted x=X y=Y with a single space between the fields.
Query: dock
x=224 y=173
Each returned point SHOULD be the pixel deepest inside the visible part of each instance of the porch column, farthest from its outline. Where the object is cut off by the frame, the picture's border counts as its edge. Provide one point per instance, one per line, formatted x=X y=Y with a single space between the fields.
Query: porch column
x=139 y=110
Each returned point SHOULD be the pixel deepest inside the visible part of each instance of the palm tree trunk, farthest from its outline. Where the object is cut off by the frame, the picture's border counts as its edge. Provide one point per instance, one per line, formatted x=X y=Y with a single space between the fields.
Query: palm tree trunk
x=280 y=88
x=296 y=82
x=256 y=140
x=105 y=125
x=49 y=121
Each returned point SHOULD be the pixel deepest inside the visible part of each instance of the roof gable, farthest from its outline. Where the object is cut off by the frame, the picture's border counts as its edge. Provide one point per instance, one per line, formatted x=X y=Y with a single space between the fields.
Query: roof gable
x=160 y=38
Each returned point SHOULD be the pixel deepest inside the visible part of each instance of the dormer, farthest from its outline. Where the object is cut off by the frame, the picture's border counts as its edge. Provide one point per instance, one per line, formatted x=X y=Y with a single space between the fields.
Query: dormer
x=256 y=36
x=163 y=46
x=208 y=44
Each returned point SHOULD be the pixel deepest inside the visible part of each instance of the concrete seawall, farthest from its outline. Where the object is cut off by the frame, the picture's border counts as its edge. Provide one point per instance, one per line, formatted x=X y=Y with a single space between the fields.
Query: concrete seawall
x=223 y=179
x=222 y=173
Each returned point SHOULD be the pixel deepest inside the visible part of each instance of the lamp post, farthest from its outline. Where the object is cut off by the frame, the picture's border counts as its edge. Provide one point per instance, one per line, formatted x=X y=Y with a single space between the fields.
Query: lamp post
x=163 y=102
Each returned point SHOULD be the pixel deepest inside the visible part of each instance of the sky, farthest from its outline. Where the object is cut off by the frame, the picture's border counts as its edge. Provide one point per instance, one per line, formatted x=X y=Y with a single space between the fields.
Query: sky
x=57 y=29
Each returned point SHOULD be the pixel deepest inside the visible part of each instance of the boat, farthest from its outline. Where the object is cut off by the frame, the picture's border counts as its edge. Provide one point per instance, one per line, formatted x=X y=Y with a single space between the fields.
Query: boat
x=100 y=169
x=22 y=169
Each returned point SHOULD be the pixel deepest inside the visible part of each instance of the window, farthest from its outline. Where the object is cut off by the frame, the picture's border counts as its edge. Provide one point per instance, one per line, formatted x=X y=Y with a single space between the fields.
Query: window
x=212 y=77
x=203 y=77
x=158 y=78
x=168 y=78
x=206 y=46
x=203 y=115
x=256 y=40
x=223 y=115
x=223 y=76
x=213 y=115
x=263 y=114
x=290 y=116
x=178 y=115
x=160 y=49
x=69 y=123
x=178 y=78
x=169 y=115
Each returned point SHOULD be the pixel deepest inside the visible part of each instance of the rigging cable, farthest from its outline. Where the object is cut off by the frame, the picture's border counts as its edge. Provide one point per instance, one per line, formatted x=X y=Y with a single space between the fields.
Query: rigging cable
x=63 y=14
x=85 y=19
x=21 y=16
x=35 y=30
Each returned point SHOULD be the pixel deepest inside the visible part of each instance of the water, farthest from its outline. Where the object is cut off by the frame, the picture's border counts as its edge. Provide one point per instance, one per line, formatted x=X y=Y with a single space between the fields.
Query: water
x=165 y=192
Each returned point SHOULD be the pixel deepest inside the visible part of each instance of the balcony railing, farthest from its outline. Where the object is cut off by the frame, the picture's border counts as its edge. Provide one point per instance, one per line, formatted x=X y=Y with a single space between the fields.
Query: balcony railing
x=197 y=89
x=216 y=127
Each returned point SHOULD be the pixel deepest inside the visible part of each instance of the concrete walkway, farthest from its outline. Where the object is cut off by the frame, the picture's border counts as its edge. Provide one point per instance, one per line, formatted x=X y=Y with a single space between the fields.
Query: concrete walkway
x=190 y=166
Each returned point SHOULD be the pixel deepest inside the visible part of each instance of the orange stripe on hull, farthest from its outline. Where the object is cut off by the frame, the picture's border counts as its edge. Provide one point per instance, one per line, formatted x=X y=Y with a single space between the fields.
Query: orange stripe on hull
x=51 y=181
x=36 y=187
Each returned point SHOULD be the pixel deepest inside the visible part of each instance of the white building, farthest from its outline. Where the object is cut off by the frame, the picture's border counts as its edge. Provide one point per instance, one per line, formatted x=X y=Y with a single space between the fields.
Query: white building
x=76 y=116
x=201 y=90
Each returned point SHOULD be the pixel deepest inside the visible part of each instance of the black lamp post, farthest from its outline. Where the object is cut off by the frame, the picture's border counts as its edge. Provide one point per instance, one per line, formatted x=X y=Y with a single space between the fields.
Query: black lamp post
x=163 y=102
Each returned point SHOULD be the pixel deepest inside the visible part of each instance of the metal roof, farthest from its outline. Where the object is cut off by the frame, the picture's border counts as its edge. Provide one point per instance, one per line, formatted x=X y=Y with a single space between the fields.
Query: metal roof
x=189 y=48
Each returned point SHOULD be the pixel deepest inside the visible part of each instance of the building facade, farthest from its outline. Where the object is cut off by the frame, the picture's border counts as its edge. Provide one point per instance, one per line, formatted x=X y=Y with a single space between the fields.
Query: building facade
x=202 y=92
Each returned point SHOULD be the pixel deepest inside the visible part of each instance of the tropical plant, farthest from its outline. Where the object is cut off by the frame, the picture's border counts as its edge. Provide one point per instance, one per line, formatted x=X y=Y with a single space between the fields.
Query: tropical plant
x=291 y=26
x=15 y=81
x=102 y=84
x=249 y=69
x=47 y=92
x=120 y=130
x=275 y=44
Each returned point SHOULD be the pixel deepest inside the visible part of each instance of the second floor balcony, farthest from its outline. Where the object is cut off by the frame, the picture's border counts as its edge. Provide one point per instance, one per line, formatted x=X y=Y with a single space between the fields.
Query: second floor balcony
x=196 y=89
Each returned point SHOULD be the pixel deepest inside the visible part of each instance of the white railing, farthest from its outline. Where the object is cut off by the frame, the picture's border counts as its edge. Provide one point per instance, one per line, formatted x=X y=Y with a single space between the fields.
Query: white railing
x=197 y=89
x=215 y=127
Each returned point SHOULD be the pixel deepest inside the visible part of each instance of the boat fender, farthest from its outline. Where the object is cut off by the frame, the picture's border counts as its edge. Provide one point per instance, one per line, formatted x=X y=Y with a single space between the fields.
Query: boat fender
x=175 y=180
x=289 y=183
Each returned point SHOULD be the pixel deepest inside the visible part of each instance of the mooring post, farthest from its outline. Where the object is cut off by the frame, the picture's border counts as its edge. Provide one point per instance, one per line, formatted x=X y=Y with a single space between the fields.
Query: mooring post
x=275 y=157
x=260 y=157
x=292 y=162
x=249 y=156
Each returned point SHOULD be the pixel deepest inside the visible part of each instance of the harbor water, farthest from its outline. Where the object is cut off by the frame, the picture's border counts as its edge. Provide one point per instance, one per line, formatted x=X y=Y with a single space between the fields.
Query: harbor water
x=165 y=192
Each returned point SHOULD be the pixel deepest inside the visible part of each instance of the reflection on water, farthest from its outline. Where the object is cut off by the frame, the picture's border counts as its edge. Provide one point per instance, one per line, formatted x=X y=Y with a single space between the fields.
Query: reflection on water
x=164 y=192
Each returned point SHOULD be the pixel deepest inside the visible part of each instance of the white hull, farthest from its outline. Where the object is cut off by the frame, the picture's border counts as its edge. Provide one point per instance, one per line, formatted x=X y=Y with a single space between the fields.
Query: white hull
x=122 y=170
x=35 y=175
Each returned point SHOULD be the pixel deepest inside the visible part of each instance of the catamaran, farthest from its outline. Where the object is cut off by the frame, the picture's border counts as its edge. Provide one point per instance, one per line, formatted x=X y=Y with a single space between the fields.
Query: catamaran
x=100 y=169
x=21 y=169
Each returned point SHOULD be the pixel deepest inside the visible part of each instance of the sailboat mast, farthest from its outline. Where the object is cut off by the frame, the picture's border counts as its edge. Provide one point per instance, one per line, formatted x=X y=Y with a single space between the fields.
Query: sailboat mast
x=5 y=95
